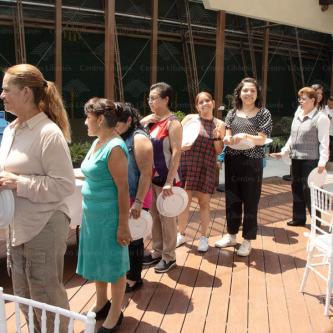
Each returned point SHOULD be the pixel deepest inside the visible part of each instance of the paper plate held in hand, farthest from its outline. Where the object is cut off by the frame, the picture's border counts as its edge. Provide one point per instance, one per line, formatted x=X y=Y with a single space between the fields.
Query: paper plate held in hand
x=286 y=159
x=268 y=141
x=173 y=205
x=191 y=130
x=141 y=227
x=242 y=145
x=7 y=208
x=316 y=178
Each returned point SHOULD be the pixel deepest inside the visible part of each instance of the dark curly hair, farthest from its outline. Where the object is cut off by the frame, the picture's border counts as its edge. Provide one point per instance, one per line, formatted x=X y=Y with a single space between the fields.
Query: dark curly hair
x=102 y=106
x=237 y=102
x=124 y=111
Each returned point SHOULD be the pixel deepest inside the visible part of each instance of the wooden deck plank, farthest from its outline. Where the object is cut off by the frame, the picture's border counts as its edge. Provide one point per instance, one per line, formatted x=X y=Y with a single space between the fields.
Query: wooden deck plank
x=277 y=307
x=295 y=302
x=257 y=304
x=237 y=315
x=160 y=302
x=195 y=319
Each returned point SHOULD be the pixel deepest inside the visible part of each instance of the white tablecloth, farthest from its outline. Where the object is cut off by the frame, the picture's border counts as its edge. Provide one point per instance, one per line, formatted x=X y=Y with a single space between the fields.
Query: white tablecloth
x=74 y=203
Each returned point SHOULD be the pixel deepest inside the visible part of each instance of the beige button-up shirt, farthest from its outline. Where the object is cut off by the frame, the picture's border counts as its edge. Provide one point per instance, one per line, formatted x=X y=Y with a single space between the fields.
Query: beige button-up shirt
x=37 y=151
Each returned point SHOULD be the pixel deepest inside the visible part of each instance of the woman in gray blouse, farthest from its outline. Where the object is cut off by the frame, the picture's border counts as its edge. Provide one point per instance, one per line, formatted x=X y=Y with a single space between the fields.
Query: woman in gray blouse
x=308 y=148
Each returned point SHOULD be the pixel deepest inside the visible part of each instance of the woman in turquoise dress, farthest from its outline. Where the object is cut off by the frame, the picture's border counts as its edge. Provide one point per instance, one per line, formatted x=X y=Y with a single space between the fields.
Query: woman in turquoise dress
x=103 y=251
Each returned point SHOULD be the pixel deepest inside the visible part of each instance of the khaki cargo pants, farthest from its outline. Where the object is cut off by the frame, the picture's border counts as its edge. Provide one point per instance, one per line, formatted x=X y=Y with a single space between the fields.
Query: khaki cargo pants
x=37 y=269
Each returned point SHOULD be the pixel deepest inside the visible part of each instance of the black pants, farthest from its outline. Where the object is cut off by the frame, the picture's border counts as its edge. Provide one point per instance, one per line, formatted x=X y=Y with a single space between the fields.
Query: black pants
x=300 y=170
x=243 y=179
x=136 y=251
x=331 y=148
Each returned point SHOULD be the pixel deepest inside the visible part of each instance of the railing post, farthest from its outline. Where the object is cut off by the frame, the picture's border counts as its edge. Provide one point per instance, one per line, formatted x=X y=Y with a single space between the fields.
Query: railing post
x=3 y=323
x=90 y=323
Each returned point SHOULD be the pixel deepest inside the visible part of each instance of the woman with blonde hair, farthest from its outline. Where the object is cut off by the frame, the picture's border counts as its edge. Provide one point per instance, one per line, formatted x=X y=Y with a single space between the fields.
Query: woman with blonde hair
x=36 y=164
x=198 y=164
x=308 y=148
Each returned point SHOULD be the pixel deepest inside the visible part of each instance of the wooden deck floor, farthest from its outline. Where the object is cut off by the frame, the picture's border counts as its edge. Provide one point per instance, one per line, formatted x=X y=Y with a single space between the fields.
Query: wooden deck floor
x=219 y=291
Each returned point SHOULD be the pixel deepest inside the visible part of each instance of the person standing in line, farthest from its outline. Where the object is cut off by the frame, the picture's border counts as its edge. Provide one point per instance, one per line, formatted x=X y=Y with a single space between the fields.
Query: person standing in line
x=307 y=146
x=249 y=121
x=198 y=165
x=104 y=237
x=140 y=165
x=37 y=167
x=329 y=112
x=166 y=134
x=319 y=89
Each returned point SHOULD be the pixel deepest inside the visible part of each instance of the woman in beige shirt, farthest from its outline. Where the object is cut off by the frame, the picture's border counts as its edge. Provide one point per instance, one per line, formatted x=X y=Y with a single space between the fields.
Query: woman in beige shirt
x=37 y=168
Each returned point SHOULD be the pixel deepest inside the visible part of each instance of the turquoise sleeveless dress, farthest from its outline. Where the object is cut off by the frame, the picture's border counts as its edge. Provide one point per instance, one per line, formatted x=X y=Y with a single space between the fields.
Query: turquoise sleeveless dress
x=100 y=256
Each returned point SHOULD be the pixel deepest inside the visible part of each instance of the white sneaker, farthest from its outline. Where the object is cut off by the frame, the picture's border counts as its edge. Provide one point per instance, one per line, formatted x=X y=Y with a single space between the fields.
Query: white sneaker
x=245 y=248
x=180 y=239
x=203 y=244
x=226 y=240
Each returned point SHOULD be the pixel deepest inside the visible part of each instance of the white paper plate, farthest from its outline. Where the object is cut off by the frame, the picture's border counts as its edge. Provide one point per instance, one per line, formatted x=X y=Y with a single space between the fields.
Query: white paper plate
x=268 y=141
x=7 y=208
x=286 y=159
x=74 y=203
x=243 y=145
x=141 y=227
x=173 y=205
x=316 y=178
x=191 y=130
x=78 y=173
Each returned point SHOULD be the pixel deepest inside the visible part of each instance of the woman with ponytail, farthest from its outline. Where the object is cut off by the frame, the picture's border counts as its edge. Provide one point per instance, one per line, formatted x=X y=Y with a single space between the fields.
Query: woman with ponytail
x=35 y=164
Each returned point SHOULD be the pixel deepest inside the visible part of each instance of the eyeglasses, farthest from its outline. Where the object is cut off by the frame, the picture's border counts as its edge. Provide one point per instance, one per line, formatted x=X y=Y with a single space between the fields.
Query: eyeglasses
x=152 y=98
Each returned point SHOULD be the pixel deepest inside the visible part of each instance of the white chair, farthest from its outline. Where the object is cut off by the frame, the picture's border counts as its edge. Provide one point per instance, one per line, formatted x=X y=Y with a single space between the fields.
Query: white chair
x=88 y=320
x=320 y=243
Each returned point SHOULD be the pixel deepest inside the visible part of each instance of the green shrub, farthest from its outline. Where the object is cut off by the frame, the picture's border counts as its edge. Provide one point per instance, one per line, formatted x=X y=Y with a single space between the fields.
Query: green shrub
x=180 y=115
x=282 y=127
x=78 y=152
x=278 y=143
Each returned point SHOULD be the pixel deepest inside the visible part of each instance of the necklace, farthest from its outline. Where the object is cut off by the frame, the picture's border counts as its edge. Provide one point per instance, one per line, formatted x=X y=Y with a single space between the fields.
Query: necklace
x=248 y=113
x=101 y=142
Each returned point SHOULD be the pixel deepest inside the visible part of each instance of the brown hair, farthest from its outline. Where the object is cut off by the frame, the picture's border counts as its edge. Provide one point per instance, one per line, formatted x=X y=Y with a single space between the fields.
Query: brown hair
x=310 y=92
x=164 y=90
x=237 y=102
x=102 y=106
x=316 y=87
x=209 y=95
x=45 y=93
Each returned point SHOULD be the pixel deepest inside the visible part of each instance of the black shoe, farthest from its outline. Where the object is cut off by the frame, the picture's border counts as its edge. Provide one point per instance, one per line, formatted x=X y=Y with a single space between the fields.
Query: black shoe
x=164 y=266
x=149 y=260
x=103 y=312
x=295 y=223
x=103 y=329
x=136 y=285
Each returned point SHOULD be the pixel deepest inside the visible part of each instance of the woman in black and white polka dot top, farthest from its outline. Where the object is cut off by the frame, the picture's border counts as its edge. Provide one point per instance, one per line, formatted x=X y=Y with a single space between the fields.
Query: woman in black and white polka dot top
x=247 y=127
